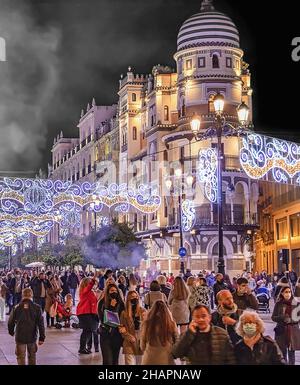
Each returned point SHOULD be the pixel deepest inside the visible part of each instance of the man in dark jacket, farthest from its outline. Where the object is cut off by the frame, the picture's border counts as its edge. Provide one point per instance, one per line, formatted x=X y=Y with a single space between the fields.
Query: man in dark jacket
x=204 y=344
x=25 y=322
x=73 y=283
x=219 y=285
x=243 y=296
x=226 y=316
x=39 y=286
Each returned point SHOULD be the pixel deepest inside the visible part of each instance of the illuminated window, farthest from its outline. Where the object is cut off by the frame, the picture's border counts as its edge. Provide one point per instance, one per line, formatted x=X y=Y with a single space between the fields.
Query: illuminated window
x=134 y=97
x=166 y=112
x=188 y=64
x=134 y=133
x=295 y=225
x=281 y=227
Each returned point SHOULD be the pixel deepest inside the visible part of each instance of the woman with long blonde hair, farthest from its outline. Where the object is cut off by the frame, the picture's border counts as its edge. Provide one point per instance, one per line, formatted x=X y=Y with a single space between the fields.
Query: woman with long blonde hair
x=178 y=302
x=131 y=320
x=159 y=334
x=87 y=313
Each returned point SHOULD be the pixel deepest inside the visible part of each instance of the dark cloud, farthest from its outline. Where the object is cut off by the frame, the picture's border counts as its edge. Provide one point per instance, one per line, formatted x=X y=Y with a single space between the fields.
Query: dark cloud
x=61 y=53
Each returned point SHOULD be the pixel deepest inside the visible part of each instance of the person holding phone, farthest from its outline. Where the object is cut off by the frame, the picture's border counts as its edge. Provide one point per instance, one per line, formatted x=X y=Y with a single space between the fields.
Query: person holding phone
x=111 y=340
x=203 y=343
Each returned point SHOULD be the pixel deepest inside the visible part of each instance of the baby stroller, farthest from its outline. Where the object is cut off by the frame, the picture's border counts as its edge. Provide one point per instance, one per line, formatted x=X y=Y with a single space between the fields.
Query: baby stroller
x=263 y=303
x=65 y=318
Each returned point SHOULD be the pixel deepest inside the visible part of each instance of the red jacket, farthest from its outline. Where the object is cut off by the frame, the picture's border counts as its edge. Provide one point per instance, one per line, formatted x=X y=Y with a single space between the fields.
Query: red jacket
x=87 y=301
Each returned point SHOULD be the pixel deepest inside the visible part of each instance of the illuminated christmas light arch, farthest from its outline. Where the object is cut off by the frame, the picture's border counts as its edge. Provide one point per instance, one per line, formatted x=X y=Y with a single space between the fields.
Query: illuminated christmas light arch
x=33 y=205
x=261 y=154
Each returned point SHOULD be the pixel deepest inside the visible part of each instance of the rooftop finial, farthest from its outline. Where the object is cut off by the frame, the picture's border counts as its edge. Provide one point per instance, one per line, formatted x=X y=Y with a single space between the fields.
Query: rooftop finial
x=207 y=6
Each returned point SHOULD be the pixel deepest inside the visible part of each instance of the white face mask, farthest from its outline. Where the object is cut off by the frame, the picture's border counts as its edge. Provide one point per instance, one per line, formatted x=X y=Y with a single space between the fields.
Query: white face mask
x=250 y=329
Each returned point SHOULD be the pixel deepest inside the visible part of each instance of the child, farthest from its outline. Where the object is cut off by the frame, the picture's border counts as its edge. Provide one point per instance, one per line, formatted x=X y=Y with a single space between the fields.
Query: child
x=2 y=300
x=68 y=305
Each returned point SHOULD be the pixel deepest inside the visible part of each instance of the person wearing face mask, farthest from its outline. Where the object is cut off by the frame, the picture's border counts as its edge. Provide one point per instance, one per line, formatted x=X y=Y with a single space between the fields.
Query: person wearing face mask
x=131 y=320
x=287 y=332
x=110 y=337
x=254 y=348
x=243 y=296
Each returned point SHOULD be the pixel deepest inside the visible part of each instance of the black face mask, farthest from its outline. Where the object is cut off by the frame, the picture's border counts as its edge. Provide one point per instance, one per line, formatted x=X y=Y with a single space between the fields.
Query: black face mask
x=113 y=295
x=134 y=301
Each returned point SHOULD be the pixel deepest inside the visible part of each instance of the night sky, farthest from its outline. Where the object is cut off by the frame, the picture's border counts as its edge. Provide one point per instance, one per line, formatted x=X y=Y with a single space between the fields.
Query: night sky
x=62 y=53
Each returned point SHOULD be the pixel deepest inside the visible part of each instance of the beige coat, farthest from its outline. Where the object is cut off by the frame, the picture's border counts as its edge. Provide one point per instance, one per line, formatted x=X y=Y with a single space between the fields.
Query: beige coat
x=128 y=346
x=157 y=355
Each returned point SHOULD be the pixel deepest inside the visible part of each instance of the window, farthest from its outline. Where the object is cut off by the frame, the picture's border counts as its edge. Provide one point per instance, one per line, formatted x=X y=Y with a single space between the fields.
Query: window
x=182 y=112
x=229 y=62
x=182 y=153
x=165 y=155
x=166 y=209
x=134 y=133
x=188 y=64
x=211 y=107
x=201 y=62
x=281 y=227
x=215 y=61
x=166 y=113
x=133 y=98
x=295 y=225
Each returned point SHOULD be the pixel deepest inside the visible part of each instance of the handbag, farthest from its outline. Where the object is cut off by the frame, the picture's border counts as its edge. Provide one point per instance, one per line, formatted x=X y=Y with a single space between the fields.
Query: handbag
x=111 y=318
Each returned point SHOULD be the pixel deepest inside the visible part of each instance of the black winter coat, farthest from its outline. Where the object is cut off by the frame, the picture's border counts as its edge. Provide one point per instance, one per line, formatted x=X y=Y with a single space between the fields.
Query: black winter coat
x=25 y=322
x=265 y=352
x=245 y=301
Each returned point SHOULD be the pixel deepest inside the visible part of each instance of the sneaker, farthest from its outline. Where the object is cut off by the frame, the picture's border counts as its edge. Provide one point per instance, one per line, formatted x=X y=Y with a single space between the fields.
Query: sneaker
x=96 y=350
x=84 y=351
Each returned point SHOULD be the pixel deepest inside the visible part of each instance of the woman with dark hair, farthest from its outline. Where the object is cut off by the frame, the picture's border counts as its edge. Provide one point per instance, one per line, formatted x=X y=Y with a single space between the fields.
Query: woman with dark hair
x=283 y=282
x=159 y=334
x=131 y=320
x=110 y=337
x=154 y=295
x=87 y=313
x=287 y=332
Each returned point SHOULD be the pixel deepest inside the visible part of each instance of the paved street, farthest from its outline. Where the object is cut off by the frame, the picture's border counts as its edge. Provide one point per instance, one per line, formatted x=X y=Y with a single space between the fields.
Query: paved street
x=61 y=347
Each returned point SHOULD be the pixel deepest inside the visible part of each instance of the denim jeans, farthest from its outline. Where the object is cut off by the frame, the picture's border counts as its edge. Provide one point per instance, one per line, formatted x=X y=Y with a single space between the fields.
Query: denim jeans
x=73 y=293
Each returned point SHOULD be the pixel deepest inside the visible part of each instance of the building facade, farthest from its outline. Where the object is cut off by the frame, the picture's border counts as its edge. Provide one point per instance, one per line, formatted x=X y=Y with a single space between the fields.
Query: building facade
x=146 y=137
x=277 y=243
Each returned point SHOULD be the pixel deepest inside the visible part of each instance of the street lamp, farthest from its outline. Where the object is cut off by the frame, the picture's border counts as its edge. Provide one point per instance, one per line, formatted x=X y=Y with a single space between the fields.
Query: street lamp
x=169 y=183
x=226 y=129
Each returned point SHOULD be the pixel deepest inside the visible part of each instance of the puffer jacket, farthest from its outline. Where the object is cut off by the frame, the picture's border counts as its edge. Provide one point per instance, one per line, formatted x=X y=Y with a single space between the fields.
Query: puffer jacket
x=191 y=347
x=25 y=321
x=265 y=352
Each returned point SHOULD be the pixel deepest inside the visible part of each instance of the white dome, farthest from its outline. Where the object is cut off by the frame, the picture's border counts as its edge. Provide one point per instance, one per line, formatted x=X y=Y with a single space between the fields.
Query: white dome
x=208 y=28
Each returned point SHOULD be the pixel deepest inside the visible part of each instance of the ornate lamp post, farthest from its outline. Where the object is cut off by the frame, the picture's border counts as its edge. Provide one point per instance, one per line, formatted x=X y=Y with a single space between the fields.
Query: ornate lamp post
x=177 y=184
x=222 y=128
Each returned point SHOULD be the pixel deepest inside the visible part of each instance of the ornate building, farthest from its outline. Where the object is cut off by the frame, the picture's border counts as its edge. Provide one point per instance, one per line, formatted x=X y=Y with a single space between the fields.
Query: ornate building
x=277 y=243
x=149 y=137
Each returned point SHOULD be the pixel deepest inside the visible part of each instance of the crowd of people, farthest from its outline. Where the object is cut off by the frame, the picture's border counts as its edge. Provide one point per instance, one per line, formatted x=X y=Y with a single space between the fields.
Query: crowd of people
x=198 y=319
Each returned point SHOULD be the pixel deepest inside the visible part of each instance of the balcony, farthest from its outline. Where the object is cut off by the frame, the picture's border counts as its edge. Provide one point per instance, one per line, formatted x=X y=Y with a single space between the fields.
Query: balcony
x=89 y=168
x=77 y=148
x=286 y=198
x=83 y=143
x=89 y=139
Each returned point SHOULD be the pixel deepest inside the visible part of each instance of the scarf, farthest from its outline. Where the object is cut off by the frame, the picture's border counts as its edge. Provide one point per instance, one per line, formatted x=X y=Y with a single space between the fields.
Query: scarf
x=226 y=312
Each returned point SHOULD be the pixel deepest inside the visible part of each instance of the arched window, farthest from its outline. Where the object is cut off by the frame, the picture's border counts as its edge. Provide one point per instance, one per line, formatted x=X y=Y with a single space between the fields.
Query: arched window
x=166 y=112
x=211 y=108
x=134 y=97
x=215 y=61
x=134 y=133
x=78 y=171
